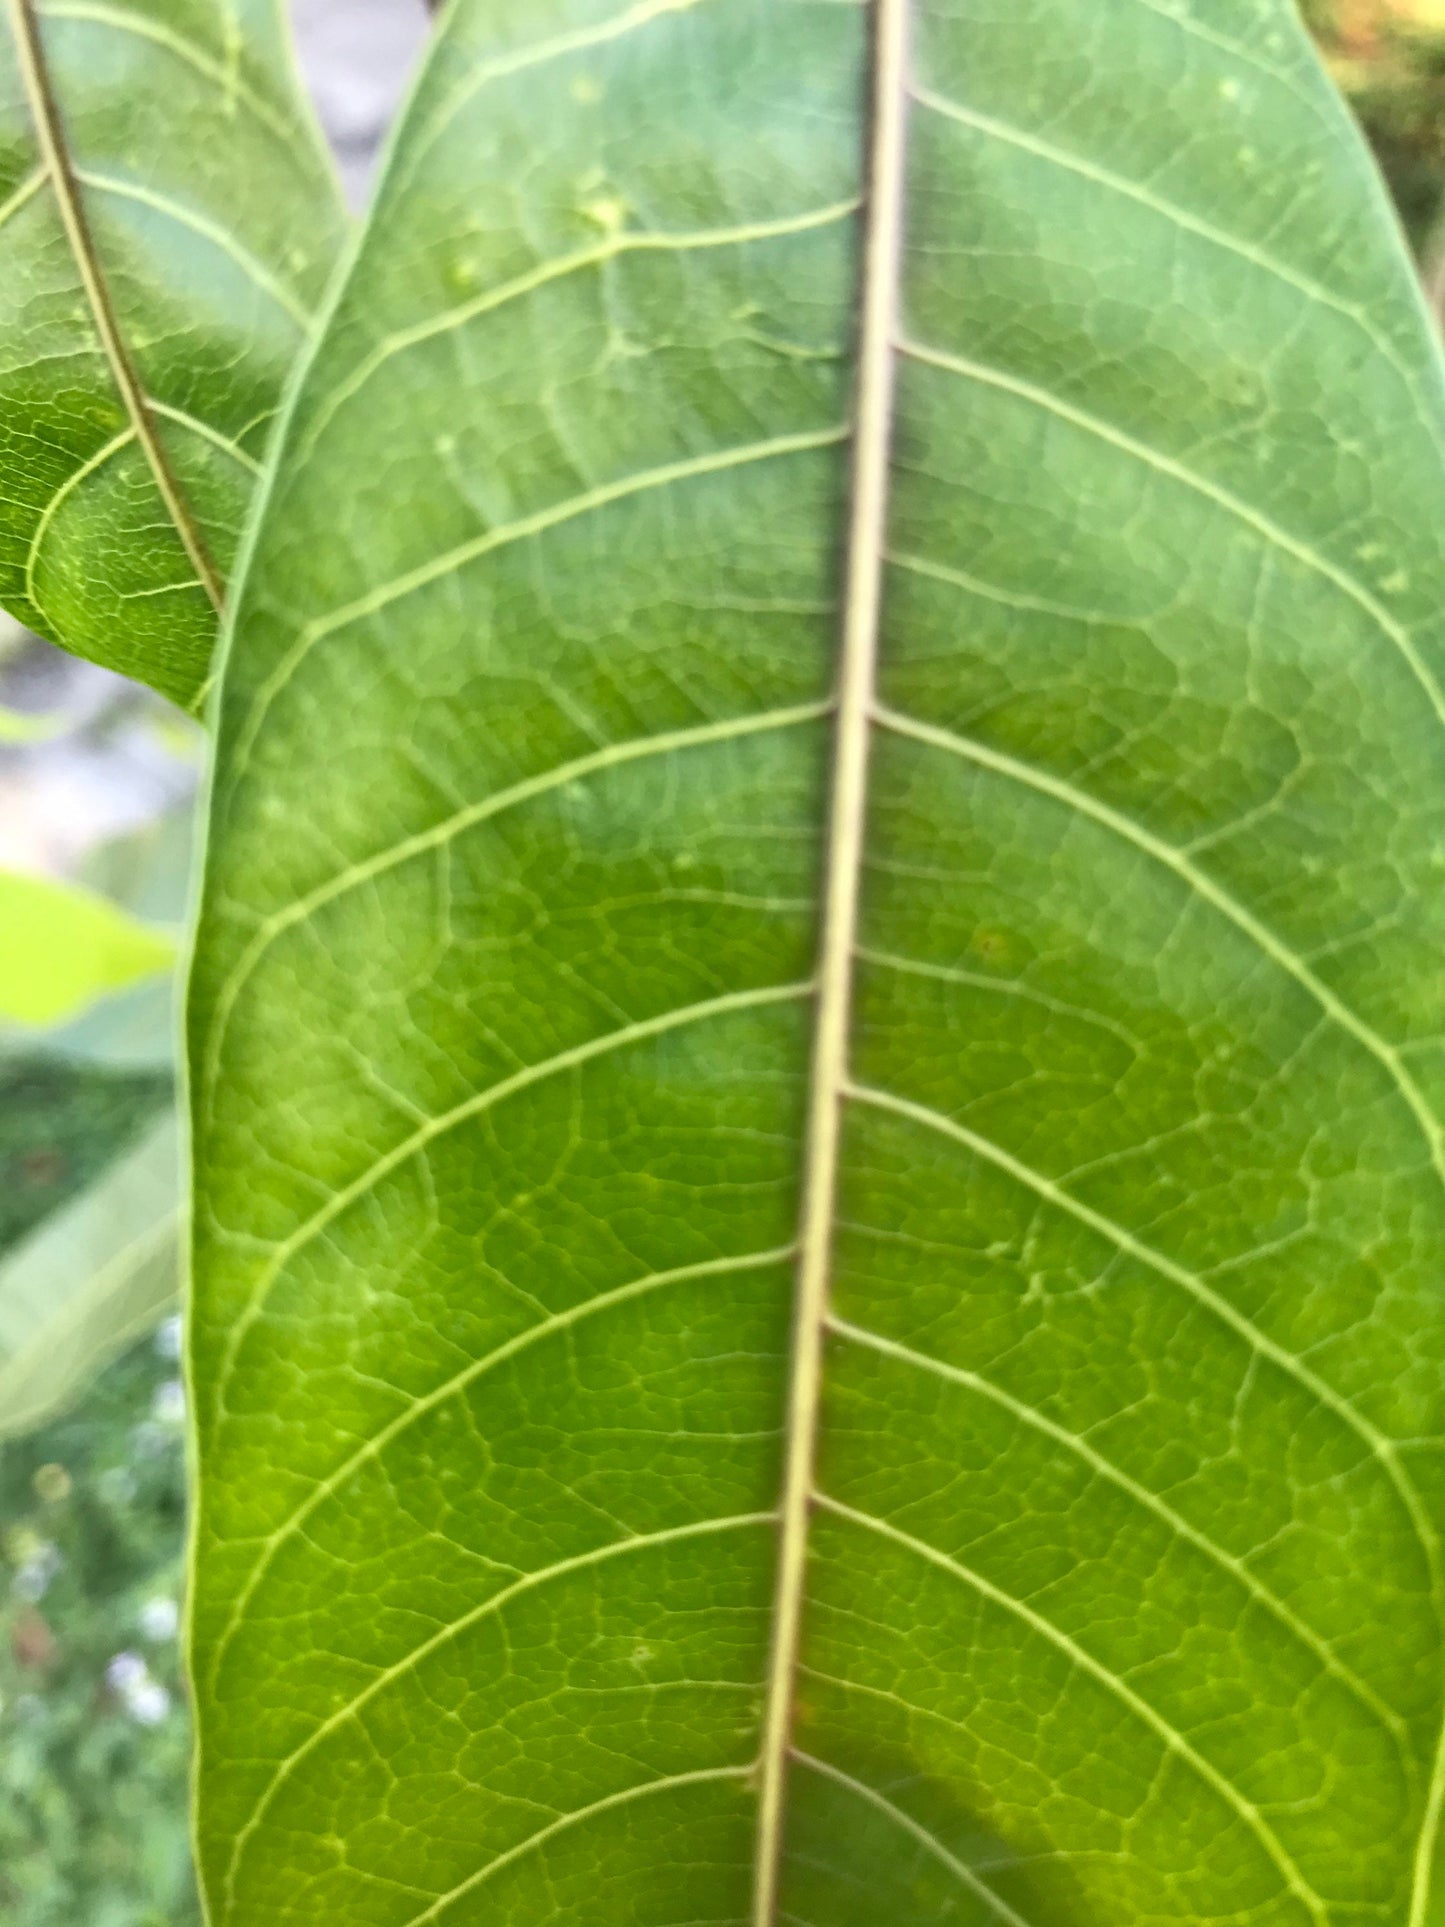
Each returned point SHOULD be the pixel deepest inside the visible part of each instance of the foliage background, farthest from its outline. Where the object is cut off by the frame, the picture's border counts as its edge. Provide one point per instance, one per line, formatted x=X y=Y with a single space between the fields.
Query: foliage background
x=94 y=1737
x=1388 y=57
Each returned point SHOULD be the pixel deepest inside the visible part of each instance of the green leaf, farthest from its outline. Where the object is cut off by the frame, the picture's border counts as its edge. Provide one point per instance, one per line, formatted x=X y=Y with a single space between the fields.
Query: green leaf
x=101 y=1261
x=1049 y=1532
x=146 y=872
x=62 y=947
x=94 y=1275
x=167 y=223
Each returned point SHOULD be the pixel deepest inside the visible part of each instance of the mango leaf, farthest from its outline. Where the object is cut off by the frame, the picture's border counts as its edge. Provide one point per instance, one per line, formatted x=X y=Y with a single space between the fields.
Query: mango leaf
x=167 y=222
x=62 y=947
x=820 y=1176
x=95 y=1274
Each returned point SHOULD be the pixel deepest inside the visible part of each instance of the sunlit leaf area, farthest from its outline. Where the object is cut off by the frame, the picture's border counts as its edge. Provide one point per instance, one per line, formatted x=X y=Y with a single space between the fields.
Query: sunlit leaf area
x=101 y=784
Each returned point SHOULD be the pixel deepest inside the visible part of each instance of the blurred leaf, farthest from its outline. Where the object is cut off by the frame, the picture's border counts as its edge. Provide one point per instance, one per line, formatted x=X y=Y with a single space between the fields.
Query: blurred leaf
x=1389 y=57
x=130 y=1030
x=148 y=870
x=63 y=946
x=17 y=726
x=148 y=873
x=135 y=1030
x=61 y=1125
x=94 y=1275
x=93 y=1802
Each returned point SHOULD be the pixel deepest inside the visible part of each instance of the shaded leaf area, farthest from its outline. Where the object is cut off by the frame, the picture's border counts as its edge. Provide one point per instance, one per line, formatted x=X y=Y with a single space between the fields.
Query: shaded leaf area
x=93 y=1798
x=1125 y=1582
x=167 y=223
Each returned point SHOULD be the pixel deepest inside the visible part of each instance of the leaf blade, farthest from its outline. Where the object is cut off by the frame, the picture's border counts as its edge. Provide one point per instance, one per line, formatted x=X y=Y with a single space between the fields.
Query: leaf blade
x=1126 y=1364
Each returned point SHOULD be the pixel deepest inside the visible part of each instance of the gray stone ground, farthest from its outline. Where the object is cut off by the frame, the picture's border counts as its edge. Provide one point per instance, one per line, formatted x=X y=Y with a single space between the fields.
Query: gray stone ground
x=120 y=758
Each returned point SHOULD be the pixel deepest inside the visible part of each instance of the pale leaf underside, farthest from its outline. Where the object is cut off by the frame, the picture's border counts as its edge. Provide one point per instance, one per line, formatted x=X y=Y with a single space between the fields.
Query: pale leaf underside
x=1117 y=1575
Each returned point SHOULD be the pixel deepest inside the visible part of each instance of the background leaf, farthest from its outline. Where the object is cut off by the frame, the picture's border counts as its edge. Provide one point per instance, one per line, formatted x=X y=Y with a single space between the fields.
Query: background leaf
x=63 y=1125
x=19 y=726
x=63 y=946
x=1124 y=1578
x=148 y=873
x=92 y=1277
x=167 y=223
x=89 y=1253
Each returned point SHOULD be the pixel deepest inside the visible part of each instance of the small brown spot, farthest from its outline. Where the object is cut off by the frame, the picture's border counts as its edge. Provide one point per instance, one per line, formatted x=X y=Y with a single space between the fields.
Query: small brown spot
x=42 y=1167
x=31 y=1640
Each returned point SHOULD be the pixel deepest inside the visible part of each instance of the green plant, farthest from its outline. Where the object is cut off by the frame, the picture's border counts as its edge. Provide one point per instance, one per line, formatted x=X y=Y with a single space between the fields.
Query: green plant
x=1388 y=57
x=87 y=1263
x=92 y=1815
x=93 y=1732
x=92 y=1777
x=816 y=1262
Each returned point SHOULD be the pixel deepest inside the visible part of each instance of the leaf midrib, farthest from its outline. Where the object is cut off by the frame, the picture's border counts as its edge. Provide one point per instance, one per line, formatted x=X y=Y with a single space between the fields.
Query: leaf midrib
x=863 y=583
x=880 y=343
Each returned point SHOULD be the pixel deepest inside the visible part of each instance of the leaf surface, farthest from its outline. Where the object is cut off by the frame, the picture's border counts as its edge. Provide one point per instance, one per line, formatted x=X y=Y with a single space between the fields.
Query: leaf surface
x=167 y=223
x=1046 y=1532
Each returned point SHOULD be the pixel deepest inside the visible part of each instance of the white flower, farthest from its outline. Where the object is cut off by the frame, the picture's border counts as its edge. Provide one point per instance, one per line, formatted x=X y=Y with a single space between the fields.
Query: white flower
x=125 y=1673
x=169 y=1404
x=159 y=1618
x=148 y=1703
x=144 y=1698
x=168 y=1337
